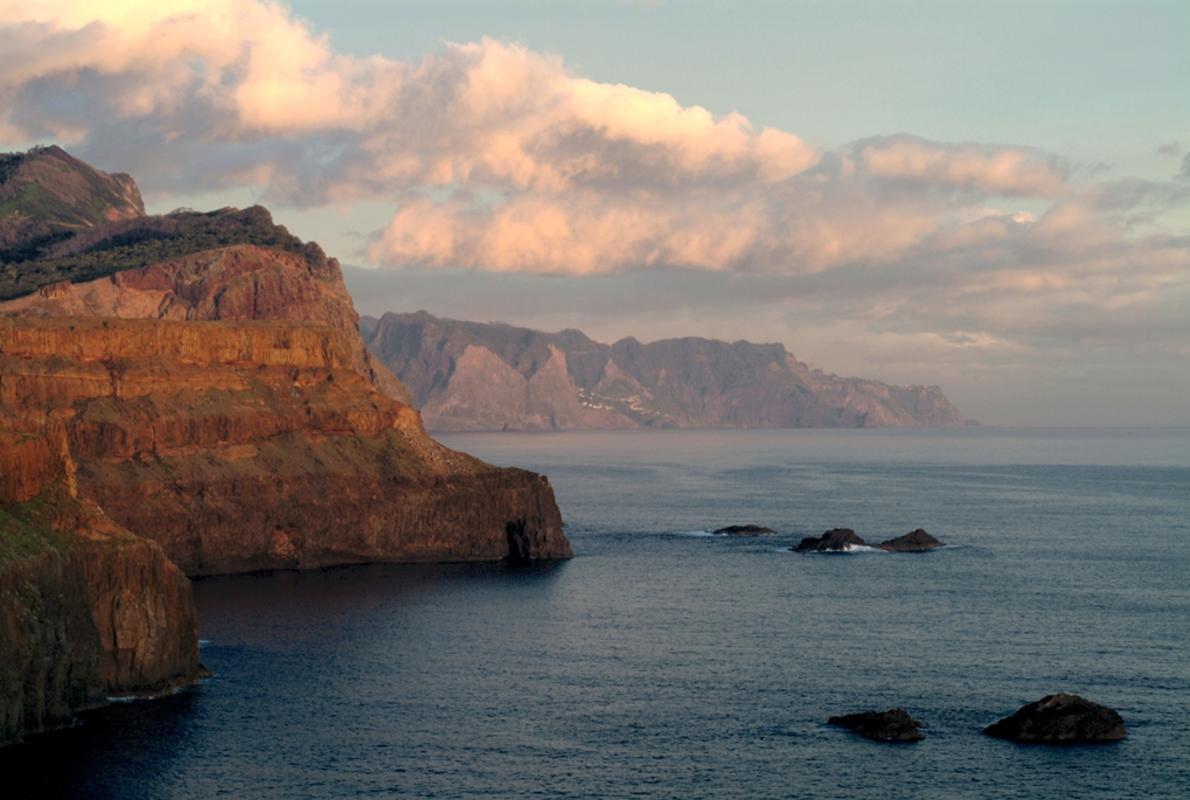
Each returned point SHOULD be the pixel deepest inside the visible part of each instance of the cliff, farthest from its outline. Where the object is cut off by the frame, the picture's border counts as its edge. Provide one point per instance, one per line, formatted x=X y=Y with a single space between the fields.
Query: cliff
x=257 y=445
x=214 y=395
x=87 y=609
x=475 y=376
x=189 y=394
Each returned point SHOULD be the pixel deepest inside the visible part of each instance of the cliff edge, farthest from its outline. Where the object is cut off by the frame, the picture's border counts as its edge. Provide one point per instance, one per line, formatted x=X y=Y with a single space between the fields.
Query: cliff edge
x=188 y=394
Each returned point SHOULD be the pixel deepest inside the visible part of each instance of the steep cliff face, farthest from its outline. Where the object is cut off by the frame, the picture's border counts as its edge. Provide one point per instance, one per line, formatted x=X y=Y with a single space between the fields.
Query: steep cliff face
x=87 y=609
x=473 y=376
x=256 y=445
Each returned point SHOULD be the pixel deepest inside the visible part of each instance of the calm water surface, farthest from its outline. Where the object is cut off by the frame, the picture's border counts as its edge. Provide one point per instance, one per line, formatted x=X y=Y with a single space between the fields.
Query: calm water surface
x=663 y=662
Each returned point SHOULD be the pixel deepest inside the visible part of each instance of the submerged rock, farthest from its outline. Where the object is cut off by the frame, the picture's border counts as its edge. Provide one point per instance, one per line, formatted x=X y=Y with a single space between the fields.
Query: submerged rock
x=834 y=540
x=1060 y=719
x=745 y=530
x=893 y=725
x=917 y=541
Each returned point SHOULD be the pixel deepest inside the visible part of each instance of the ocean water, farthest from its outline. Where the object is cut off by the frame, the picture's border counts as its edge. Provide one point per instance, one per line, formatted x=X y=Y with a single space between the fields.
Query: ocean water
x=663 y=662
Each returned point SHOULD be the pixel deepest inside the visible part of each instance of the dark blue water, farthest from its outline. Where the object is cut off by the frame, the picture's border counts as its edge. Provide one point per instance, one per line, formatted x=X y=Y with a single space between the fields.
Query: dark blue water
x=664 y=663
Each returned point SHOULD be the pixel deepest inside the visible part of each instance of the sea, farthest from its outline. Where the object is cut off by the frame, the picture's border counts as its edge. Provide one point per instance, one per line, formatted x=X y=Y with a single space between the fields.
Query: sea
x=667 y=662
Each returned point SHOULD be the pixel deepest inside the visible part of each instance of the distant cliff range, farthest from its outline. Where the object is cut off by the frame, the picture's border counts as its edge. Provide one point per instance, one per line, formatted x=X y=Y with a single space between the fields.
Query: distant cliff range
x=469 y=376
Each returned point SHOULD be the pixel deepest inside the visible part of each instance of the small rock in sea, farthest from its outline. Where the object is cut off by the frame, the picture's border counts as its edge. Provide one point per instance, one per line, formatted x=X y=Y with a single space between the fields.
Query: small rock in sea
x=834 y=540
x=1060 y=719
x=745 y=530
x=916 y=542
x=894 y=725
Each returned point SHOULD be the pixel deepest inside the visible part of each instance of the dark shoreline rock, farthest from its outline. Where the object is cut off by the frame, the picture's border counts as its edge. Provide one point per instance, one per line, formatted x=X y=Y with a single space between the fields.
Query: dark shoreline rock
x=917 y=541
x=836 y=540
x=745 y=530
x=1060 y=719
x=893 y=725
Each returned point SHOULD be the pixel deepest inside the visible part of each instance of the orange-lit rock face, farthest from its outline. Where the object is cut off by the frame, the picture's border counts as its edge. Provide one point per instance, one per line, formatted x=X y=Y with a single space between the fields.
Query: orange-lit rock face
x=237 y=283
x=256 y=445
x=210 y=412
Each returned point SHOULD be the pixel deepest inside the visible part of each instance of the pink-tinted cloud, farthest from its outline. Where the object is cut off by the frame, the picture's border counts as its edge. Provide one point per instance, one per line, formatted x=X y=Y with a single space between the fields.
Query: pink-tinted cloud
x=980 y=168
x=499 y=158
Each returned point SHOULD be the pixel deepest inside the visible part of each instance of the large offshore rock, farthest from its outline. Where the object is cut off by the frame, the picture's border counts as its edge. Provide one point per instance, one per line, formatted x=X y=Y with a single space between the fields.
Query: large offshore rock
x=1060 y=719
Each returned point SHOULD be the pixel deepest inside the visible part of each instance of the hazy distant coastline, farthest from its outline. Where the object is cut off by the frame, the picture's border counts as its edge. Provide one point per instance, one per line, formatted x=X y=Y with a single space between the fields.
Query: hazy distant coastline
x=492 y=376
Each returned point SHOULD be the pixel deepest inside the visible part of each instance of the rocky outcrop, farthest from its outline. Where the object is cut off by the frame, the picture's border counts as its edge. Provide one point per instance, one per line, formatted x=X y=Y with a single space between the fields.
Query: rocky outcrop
x=836 y=540
x=47 y=196
x=1060 y=719
x=917 y=541
x=745 y=530
x=843 y=539
x=473 y=376
x=87 y=609
x=894 y=725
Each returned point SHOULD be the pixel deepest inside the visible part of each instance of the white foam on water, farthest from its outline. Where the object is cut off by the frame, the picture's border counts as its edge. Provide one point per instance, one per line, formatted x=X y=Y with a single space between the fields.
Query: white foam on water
x=692 y=533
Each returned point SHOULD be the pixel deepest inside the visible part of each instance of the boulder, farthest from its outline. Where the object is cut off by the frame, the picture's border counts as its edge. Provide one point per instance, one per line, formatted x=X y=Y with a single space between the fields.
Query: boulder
x=745 y=530
x=916 y=542
x=833 y=541
x=893 y=725
x=1060 y=719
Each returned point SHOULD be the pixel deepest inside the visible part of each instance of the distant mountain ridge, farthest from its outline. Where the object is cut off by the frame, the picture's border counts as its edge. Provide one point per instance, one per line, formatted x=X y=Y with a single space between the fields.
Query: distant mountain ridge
x=493 y=376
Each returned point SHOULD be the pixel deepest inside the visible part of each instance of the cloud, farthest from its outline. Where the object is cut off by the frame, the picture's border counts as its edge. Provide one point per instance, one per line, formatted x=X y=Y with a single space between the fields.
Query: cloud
x=972 y=167
x=1170 y=149
x=494 y=157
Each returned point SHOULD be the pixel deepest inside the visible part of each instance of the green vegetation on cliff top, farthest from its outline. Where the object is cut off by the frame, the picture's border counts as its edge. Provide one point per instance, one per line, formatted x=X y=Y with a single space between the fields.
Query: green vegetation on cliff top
x=61 y=219
x=27 y=529
x=130 y=244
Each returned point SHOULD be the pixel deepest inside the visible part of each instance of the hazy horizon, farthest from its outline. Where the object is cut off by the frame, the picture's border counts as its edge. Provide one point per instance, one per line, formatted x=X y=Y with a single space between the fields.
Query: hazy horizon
x=993 y=199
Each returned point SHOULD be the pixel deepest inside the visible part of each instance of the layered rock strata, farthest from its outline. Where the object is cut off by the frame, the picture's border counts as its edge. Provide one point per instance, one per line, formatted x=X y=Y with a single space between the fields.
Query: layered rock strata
x=258 y=445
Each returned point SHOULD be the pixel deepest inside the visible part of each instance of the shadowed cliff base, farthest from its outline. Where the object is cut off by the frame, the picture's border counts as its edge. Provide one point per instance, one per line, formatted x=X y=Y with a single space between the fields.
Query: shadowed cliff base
x=87 y=611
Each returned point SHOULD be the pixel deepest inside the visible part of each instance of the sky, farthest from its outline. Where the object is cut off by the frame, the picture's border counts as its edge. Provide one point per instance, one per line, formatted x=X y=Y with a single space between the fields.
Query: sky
x=992 y=197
